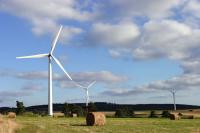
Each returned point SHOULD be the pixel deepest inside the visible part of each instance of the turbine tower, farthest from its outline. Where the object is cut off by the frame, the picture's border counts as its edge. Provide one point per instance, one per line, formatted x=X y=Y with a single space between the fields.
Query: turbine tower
x=86 y=92
x=50 y=57
x=173 y=91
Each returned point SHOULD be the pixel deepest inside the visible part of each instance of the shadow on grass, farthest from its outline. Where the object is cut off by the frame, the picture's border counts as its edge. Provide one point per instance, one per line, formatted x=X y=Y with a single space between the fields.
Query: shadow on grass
x=78 y=125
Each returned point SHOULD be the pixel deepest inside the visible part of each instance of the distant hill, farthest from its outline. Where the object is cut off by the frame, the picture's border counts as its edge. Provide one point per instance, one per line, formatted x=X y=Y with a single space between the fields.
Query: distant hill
x=103 y=106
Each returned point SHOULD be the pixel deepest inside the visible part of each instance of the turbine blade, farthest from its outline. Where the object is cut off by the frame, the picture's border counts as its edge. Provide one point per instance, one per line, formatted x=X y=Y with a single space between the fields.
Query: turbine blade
x=59 y=64
x=90 y=85
x=55 y=40
x=33 y=56
x=78 y=85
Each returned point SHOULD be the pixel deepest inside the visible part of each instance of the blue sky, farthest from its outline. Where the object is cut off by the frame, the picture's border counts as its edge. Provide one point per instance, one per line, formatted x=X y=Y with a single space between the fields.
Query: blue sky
x=136 y=50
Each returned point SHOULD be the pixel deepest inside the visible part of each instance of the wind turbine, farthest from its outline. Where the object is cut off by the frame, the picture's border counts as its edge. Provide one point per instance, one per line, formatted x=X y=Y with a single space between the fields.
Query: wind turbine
x=50 y=57
x=86 y=92
x=173 y=91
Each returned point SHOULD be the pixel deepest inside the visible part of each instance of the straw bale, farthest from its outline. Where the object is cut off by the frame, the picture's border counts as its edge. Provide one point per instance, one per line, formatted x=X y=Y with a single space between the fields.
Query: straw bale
x=11 y=115
x=95 y=119
x=174 y=117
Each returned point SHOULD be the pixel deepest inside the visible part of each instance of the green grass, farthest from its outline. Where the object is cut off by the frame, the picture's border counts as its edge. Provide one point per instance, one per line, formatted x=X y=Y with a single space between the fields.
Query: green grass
x=113 y=125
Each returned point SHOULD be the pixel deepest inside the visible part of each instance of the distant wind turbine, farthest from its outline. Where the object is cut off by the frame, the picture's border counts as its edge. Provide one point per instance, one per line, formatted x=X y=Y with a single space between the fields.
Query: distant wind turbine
x=86 y=92
x=50 y=56
x=173 y=91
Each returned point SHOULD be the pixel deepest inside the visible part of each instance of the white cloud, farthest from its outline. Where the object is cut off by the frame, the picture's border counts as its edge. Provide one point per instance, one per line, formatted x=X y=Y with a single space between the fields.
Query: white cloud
x=13 y=94
x=10 y=95
x=30 y=9
x=47 y=26
x=83 y=78
x=145 y=8
x=182 y=82
x=32 y=87
x=7 y=96
x=45 y=15
x=114 y=35
x=123 y=92
x=190 y=13
x=32 y=75
x=191 y=66
x=167 y=38
x=192 y=8
x=101 y=76
x=114 y=53
x=185 y=82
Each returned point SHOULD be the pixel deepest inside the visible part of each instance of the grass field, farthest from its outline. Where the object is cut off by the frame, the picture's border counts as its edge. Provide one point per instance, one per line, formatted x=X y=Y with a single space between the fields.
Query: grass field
x=113 y=125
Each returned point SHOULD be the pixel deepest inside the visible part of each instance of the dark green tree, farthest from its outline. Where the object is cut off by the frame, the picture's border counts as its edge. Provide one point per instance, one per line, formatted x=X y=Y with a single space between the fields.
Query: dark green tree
x=152 y=114
x=166 y=114
x=119 y=113
x=66 y=110
x=75 y=109
x=20 y=108
x=128 y=112
x=92 y=107
x=125 y=112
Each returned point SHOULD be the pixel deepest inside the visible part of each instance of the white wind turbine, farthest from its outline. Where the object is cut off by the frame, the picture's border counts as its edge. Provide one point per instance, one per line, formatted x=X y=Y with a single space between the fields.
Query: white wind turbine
x=173 y=91
x=50 y=56
x=86 y=92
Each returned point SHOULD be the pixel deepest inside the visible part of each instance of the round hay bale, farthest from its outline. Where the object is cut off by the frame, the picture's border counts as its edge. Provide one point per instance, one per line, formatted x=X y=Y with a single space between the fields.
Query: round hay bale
x=58 y=114
x=187 y=117
x=180 y=114
x=11 y=115
x=74 y=115
x=95 y=119
x=196 y=117
x=174 y=117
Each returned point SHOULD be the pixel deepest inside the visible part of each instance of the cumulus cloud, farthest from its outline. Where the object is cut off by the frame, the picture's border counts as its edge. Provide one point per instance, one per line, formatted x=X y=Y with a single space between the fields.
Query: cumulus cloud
x=13 y=94
x=153 y=9
x=47 y=8
x=123 y=92
x=192 y=8
x=48 y=26
x=191 y=66
x=37 y=75
x=167 y=38
x=101 y=76
x=6 y=96
x=114 y=35
x=26 y=90
x=32 y=87
x=32 y=75
x=45 y=16
x=84 y=78
x=185 y=82
x=10 y=95
x=190 y=13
